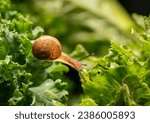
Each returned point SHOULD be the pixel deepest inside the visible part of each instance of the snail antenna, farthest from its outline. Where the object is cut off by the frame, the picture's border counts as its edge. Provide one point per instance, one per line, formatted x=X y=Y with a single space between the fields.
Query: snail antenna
x=91 y=54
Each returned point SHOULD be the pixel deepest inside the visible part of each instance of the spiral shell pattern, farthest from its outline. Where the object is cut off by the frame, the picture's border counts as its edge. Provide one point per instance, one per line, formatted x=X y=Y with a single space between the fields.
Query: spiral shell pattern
x=46 y=48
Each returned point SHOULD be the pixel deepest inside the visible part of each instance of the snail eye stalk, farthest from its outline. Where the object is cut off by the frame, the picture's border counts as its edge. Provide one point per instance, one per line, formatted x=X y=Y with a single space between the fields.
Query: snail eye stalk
x=91 y=54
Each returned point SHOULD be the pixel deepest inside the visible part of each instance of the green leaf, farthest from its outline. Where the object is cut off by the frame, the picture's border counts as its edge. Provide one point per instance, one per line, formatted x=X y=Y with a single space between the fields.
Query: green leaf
x=4 y=5
x=14 y=82
x=103 y=8
x=87 y=102
x=121 y=77
x=4 y=48
x=48 y=91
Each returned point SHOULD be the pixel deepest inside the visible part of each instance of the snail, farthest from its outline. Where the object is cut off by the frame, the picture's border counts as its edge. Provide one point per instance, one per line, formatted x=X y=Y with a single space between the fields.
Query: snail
x=49 y=48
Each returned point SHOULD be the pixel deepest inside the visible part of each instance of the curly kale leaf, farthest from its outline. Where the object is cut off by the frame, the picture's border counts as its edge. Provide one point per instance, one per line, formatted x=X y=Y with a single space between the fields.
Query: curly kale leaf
x=14 y=82
x=117 y=79
x=122 y=76
x=48 y=91
x=25 y=80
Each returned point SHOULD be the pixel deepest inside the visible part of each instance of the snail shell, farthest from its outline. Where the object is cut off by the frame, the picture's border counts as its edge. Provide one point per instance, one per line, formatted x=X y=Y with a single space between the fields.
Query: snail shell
x=49 y=48
x=46 y=48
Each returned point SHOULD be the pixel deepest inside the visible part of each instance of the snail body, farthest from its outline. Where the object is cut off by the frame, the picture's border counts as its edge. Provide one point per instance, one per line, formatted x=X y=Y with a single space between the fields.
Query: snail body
x=49 y=48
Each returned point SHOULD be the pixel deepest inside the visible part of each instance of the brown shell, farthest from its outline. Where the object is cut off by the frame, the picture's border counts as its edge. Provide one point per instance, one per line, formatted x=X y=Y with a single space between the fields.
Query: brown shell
x=46 y=47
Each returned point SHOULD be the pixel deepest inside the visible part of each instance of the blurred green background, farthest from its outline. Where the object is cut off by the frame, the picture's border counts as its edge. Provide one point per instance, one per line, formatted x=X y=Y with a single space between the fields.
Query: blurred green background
x=92 y=23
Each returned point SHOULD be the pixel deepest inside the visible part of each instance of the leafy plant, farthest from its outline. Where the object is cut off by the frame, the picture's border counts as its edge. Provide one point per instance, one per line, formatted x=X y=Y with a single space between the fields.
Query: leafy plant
x=122 y=76
x=119 y=77
x=19 y=70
